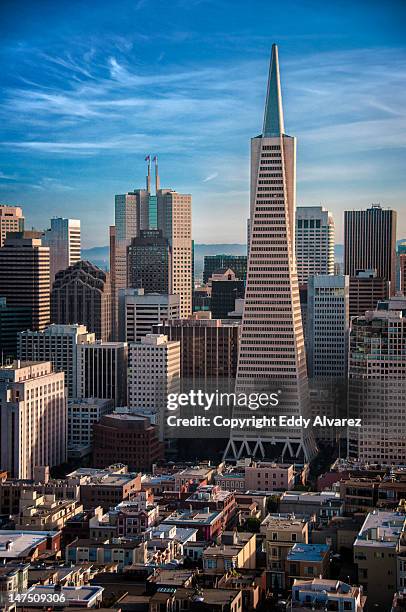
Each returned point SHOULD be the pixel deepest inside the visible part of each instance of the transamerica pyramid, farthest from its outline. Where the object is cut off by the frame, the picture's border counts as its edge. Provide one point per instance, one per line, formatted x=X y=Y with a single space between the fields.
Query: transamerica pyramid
x=272 y=354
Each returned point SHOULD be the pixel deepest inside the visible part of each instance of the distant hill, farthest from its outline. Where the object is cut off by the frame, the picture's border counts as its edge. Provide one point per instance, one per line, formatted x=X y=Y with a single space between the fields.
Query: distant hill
x=100 y=255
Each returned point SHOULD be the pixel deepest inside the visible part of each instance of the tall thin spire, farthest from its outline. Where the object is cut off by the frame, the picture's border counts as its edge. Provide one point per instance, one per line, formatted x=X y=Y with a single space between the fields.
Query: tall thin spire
x=148 y=159
x=157 y=182
x=273 y=117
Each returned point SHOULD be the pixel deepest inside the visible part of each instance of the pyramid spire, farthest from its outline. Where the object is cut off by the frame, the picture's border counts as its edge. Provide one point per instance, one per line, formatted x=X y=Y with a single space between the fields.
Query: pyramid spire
x=273 y=117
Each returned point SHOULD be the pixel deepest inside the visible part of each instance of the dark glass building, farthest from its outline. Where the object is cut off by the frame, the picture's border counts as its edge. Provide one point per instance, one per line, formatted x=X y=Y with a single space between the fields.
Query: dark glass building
x=148 y=262
x=224 y=292
x=238 y=263
x=82 y=294
x=13 y=319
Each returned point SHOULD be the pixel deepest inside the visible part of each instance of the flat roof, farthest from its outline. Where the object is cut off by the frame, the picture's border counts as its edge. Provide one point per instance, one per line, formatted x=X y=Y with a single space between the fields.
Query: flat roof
x=19 y=543
x=382 y=528
x=308 y=552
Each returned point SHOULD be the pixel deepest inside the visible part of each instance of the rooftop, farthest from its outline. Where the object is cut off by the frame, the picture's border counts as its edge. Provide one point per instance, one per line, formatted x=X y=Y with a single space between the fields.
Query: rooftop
x=383 y=528
x=193 y=517
x=20 y=543
x=308 y=552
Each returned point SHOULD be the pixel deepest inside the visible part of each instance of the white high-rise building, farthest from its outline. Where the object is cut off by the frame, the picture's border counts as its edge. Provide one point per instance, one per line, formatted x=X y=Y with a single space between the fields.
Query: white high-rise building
x=138 y=312
x=63 y=240
x=58 y=344
x=377 y=384
x=33 y=418
x=272 y=353
x=315 y=235
x=327 y=326
x=153 y=373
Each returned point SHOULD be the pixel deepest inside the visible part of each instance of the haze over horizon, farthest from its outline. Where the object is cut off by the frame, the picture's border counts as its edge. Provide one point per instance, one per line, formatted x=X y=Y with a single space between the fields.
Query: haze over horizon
x=86 y=94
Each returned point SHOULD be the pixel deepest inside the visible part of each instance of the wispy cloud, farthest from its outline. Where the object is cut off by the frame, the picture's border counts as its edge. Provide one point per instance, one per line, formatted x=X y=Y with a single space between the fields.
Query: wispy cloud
x=210 y=177
x=103 y=102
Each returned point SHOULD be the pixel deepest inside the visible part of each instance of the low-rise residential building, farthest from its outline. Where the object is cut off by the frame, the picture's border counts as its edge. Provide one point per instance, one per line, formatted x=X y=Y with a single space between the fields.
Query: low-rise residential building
x=321 y=593
x=105 y=487
x=236 y=550
x=232 y=479
x=122 y=551
x=281 y=533
x=376 y=549
x=307 y=561
x=208 y=524
x=129 y=518
x=214 y=498
x=194 y=477
x=24 y=546
x=325 y=505
x=13 y=577
x=87 y=596
x=268 y=476
x=42 y=512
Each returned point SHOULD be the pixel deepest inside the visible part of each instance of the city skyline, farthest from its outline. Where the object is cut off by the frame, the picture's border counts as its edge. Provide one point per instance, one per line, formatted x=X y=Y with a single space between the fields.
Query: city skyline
x=78 y=129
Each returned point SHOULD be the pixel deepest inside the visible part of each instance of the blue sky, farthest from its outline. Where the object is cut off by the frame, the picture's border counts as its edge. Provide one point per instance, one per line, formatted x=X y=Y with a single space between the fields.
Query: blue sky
x=89 y=88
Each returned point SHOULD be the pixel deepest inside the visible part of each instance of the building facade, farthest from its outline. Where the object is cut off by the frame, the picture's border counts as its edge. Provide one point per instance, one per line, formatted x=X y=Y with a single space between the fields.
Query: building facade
x=102 y=371
x=81 y=295
x=33 y=417
x=149 y=262
x=58 y=344
x=11 y=220
x=209 y=348
x=377 y=383
x=315 y=240
x=24 y=276
x=174 y=212
x=130 y=439
x=153 y=373
x=370 y=242
x=327 y=326
x=238 y=263
x=366 y=290
x=139 y=312
x=63 y=240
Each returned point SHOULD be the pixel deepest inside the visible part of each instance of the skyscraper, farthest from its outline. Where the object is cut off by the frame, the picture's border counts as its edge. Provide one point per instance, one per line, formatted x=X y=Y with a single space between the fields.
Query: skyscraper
x=175 y=221
x=149 y=262
x=366 y=290
x=209 y=349
x=33 y=418
x=377 y=387
x=63 y=240
x=24 y=276
x=327 y=326
x=102 y=371
x=11 y=220
x=82 y=294
x=370 y=242
x=153 y=373
x=314 y=242
x=58 y=344
x=141 y=211
x=272 y=345
x=139 y=311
